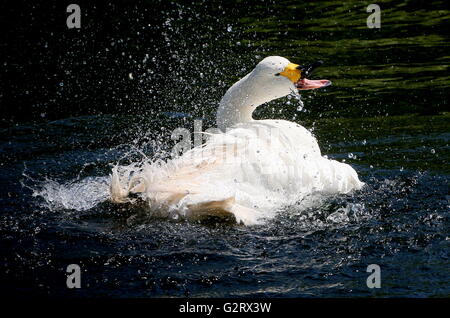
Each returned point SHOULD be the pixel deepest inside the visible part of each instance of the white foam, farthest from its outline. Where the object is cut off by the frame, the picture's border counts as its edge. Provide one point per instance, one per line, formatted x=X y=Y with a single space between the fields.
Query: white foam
x=79 y=195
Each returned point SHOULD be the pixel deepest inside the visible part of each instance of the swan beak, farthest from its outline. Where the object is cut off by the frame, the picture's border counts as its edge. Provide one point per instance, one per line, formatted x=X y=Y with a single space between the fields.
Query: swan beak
x=297 y=74
x=305 y=83
x=293 y=72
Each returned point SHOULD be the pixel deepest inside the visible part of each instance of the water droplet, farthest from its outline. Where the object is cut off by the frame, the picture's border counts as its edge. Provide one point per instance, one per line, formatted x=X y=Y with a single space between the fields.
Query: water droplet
x=433 y=151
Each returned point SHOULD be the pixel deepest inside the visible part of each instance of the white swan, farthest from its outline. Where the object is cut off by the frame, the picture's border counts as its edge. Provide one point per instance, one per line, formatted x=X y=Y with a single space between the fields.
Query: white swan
x=250 y=169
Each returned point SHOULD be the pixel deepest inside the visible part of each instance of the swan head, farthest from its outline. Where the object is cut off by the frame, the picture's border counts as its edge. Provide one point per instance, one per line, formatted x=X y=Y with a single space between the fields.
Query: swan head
x=282 y=75
x=272 y=78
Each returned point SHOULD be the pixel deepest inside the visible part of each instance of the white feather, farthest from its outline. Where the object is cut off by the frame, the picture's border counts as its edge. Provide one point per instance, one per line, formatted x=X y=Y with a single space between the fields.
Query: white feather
x=250 y=170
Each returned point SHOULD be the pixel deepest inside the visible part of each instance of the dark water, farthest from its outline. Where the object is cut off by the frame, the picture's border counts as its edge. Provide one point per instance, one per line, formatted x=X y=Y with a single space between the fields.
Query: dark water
x=386 y=115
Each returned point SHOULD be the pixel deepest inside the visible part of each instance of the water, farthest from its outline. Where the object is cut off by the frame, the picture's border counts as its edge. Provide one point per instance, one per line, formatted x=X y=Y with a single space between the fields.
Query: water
x=55 y=214
x=385 y=115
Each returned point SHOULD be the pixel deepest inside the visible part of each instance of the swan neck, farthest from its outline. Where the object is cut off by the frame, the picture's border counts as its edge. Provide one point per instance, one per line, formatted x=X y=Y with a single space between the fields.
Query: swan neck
x=238 y=104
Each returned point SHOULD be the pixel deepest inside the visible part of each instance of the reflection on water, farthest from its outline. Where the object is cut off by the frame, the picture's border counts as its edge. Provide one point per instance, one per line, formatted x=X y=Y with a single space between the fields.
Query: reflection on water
x=385 y=115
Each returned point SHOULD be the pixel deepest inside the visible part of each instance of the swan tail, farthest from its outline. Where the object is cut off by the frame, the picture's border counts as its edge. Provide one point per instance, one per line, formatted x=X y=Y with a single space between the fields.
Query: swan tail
x=165 y=191
x=119 y=192
x=187 y=190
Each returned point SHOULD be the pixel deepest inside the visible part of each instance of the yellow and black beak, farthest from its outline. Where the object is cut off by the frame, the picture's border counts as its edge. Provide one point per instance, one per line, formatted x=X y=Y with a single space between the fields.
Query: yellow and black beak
x=292 y=71
x=298 y=75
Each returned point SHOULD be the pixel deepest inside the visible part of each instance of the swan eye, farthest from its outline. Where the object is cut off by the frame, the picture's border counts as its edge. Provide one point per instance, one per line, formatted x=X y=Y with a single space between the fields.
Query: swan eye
x=278 y=74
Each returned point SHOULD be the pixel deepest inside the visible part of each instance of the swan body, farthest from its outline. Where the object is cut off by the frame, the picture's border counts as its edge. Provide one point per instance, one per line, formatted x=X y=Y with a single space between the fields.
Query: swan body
x=251 y=168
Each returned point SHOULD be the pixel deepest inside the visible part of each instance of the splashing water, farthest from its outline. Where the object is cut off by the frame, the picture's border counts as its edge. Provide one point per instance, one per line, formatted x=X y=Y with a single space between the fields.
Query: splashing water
x=321 y=248
x=398 y=219
x=298 y=97
x=79 y=195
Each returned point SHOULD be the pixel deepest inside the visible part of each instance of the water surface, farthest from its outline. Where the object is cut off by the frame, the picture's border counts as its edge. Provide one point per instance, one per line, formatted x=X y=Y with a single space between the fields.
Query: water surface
x=386 y=115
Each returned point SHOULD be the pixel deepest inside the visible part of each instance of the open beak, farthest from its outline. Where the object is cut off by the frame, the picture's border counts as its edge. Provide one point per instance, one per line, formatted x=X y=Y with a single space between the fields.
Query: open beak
x=298 y=75
x=305 y=83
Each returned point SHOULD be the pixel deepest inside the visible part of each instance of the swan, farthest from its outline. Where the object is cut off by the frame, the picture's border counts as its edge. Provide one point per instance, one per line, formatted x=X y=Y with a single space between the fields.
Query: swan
x=248 y=169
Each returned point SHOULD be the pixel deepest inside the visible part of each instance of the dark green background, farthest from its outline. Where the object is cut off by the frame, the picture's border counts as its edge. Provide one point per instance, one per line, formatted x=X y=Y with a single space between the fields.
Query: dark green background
x=50 y=72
